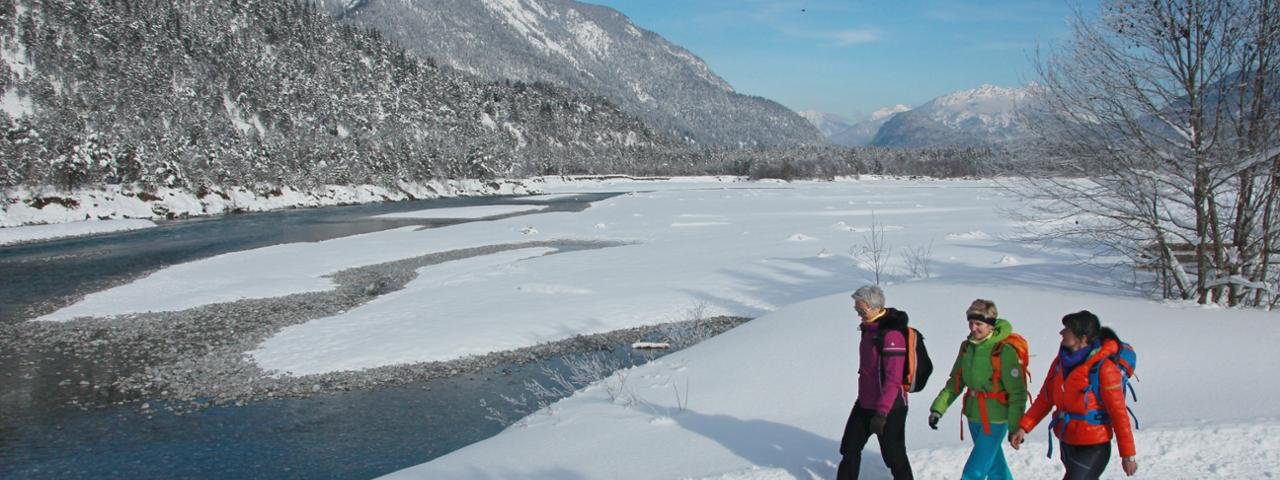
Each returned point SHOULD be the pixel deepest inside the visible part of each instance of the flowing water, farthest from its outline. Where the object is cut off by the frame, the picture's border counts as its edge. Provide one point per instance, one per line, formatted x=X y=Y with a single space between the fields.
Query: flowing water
x=52 y=430
x=38 y=278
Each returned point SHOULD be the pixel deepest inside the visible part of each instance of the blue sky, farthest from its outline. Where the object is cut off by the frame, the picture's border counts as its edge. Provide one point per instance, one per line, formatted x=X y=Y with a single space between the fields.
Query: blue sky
x=852 y=57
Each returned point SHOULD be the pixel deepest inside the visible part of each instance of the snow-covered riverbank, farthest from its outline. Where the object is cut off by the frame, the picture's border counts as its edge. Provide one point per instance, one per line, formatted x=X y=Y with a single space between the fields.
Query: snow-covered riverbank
x=35 y=233
x=35 y=214
x=34 y=206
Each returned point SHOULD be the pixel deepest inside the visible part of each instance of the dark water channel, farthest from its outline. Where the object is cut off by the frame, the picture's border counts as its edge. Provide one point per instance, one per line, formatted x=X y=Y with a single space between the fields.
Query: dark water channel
x=354 y=434
x=348 y=435
x=39 y=278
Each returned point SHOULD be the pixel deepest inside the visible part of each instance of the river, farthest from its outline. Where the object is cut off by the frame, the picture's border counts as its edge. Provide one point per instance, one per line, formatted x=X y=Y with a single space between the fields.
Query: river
x=38 y=278
x=61 y=424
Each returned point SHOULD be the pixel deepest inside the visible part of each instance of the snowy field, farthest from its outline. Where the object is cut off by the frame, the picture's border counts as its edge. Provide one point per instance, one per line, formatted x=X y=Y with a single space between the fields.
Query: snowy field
x=768 y=399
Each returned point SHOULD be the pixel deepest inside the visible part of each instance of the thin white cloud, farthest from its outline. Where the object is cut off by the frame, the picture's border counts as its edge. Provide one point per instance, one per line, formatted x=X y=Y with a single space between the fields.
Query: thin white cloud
x=844 y=38
x=835 y=38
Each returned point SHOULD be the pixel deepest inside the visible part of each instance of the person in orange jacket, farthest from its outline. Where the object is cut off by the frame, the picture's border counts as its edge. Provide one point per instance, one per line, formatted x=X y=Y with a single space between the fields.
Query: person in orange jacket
x=1086 y=445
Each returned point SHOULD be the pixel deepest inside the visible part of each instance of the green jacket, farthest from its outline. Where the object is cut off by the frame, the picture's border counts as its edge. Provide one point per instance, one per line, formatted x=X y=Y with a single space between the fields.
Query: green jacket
x=973 y=370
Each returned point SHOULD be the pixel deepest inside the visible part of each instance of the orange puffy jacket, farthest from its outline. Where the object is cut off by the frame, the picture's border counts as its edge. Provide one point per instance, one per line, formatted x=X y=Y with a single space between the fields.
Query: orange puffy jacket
x=1068 y=396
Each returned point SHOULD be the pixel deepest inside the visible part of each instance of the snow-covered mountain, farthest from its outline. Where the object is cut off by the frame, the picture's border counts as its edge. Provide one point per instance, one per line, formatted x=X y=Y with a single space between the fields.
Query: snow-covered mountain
x=277 y=92
x=827 y=123
x=984 y=115
x=588 y=47
x=862 y=132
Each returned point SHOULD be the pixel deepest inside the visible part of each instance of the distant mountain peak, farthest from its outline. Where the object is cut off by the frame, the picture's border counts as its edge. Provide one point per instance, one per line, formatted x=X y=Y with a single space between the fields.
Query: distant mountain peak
x=887 y=112
x=986 y=97
x=813 y=115
x=987 y=114
x=863 y=132
x=827 y=123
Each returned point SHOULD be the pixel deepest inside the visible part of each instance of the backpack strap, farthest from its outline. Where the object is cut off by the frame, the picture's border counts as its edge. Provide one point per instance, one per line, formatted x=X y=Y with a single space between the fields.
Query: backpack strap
x=1050 y=434
x=996 y=362
x=1002 y=397
x=958 y=387
x=1126 y=371
x=1095 y=387
x=1063 y=418
x=911 y=336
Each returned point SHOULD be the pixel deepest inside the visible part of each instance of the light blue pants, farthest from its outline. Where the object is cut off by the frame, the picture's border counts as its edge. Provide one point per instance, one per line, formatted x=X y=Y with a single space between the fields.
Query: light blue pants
x=986 y=461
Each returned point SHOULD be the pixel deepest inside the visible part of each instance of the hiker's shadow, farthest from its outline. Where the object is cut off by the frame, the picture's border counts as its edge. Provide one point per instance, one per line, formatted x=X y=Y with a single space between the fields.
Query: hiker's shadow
x=767 y=444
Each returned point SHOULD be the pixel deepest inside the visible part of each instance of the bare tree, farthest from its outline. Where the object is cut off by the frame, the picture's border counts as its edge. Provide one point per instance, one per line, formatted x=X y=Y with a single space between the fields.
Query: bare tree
x=1165 y=113
x=919 y=260
x=873 y=253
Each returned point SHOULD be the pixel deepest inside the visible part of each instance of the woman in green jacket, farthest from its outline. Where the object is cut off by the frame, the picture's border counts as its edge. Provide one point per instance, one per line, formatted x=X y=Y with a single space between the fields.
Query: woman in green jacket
x=992 y=400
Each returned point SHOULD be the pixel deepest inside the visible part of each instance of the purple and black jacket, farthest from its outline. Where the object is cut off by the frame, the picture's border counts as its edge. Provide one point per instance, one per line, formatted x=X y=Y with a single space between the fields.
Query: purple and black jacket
x=878 y=390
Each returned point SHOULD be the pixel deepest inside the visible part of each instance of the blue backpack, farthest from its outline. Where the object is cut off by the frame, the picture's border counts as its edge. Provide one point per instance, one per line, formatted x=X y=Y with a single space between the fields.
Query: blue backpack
x=1127 y=359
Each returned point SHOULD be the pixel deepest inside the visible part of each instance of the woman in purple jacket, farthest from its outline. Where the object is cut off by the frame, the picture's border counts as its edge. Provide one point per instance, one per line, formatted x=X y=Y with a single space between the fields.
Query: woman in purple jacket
x=881 y=408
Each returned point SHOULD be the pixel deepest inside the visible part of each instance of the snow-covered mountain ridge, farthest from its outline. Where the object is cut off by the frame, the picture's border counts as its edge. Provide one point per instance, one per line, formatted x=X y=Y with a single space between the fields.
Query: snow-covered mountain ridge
x=588 y=47
x=992 y=105
x=984 y=115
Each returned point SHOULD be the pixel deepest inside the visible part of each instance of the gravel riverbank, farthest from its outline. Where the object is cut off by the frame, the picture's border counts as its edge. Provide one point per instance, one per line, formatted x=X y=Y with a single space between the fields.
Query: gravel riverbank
x=196 y=358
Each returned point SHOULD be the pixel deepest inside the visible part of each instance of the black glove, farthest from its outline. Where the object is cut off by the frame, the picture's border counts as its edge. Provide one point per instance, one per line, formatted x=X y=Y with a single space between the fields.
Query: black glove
x=877 y=424
x=933 y=419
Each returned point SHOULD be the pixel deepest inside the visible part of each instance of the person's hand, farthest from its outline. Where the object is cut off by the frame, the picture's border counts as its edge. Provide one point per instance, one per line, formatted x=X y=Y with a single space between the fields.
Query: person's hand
x=877 y=424
x=1016 y=439
x=933 y=419
x=1130 y=465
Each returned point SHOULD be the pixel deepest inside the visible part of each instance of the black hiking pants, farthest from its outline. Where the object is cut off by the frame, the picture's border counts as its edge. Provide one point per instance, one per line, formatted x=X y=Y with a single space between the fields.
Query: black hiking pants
x=893 y=443
x=1085 y=462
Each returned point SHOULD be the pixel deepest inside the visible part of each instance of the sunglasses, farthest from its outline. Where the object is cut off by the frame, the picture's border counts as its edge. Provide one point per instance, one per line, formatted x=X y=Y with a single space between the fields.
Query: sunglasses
x=980 y=318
